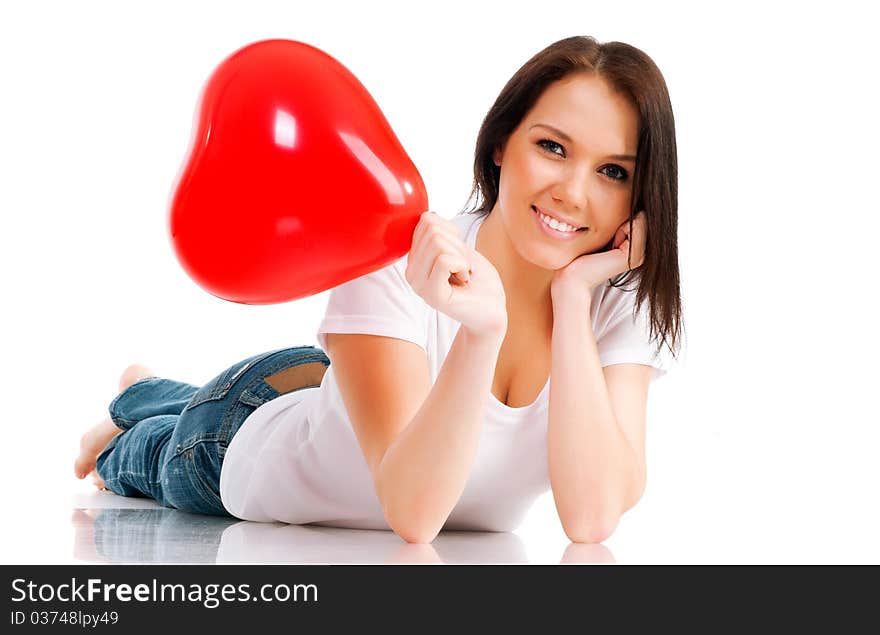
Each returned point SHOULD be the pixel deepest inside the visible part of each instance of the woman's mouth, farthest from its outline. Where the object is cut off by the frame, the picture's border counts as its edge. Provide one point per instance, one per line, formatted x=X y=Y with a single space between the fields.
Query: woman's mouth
x=554 y=228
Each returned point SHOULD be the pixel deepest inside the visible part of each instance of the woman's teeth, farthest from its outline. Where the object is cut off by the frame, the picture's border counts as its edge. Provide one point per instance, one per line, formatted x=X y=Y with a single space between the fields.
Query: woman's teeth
x=555 y=224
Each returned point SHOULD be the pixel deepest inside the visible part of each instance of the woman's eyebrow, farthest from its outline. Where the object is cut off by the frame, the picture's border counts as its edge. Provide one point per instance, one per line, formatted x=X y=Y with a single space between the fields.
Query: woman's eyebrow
x=567 y=139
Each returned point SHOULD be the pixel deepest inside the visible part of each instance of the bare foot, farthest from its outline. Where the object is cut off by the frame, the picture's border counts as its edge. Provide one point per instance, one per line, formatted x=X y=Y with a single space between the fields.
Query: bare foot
x=96 y=438
x=133 y=373
x=90 y=446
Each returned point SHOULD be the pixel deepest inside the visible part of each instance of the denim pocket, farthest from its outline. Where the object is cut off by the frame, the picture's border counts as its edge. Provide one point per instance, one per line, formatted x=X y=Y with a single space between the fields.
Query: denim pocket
x=220 y=386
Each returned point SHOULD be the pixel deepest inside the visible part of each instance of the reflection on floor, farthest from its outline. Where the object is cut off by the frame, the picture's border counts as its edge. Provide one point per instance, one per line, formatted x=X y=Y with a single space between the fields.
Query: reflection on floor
x=111 y=529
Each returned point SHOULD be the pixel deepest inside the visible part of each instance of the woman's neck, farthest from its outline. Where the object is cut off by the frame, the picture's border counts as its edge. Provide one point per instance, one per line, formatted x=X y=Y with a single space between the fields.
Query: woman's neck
x=526 y=285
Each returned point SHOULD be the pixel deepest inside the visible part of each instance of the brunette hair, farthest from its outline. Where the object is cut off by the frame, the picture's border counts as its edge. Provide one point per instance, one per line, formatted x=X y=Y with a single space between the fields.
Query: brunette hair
x=632 y=73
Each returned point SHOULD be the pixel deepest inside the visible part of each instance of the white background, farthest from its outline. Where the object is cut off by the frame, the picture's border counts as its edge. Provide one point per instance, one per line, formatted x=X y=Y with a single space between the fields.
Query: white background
x=762 y=444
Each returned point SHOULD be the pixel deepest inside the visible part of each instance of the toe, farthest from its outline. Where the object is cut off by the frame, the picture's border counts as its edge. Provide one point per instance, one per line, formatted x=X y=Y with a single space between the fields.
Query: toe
x=82 y=466
x=98 y=481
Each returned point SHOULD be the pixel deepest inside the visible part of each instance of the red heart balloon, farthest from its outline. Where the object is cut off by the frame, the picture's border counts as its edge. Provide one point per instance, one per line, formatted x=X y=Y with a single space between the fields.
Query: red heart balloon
x=294 y=181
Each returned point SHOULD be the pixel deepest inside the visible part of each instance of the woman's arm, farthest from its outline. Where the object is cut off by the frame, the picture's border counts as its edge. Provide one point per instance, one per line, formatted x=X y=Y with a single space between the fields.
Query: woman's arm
x=424 y=471
x=595 y=434
x=419 y=441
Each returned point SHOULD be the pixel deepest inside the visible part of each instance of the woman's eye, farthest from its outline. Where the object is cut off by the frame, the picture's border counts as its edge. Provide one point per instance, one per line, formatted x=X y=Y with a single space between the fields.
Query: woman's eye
x=547 y=144
x=615 y=172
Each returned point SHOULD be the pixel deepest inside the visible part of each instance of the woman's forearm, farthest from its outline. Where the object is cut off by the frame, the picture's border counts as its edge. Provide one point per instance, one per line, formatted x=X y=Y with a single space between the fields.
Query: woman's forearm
x=593 y=469
x=424 y=470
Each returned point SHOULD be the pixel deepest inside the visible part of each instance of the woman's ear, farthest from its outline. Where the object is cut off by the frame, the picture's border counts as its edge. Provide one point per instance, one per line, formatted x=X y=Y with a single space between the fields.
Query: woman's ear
x=496 y=155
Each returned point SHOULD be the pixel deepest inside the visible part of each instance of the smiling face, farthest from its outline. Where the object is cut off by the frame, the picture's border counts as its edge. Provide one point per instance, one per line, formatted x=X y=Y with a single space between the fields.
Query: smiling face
x=572 y=157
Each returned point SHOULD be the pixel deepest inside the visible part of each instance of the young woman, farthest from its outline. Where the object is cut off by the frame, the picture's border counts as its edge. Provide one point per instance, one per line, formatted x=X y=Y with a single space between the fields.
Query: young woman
x=503 y=356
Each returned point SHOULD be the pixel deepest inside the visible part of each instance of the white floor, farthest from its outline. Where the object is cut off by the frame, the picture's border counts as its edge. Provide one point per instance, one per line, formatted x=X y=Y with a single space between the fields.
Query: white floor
x=695 y=520
x=110 y=529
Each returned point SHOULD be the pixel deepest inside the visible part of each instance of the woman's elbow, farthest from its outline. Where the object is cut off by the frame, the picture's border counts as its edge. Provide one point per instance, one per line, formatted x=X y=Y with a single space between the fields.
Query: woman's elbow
x=412 y=529
x=593 y=532
x=414 y=533
x=417 y=538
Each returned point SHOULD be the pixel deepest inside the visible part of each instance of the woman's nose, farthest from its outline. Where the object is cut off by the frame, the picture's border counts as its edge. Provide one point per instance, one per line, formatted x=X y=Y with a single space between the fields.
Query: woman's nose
x=573 y=191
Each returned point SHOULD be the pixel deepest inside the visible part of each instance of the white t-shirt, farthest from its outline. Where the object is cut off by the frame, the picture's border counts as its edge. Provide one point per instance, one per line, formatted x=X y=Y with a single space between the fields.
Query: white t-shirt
x=296 y=459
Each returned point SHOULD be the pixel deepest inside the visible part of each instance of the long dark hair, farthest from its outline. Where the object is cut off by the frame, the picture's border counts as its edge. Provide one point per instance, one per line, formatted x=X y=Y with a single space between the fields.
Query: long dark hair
x=655 y=183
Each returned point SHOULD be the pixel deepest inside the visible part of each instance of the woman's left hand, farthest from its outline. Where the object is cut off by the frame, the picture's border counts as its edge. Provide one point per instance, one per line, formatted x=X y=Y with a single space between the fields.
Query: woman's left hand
x=590 y=270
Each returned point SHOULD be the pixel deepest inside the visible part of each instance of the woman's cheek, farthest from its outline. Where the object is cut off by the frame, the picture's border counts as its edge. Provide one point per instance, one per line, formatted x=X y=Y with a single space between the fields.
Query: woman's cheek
x=618 y=218
x=541 y=172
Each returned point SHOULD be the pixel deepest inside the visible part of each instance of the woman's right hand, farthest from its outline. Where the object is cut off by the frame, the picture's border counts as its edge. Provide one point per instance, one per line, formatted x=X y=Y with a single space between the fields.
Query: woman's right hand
x=454 y=278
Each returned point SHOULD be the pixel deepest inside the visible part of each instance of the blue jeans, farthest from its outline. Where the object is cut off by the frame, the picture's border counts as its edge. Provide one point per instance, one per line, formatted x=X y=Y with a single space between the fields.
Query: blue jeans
x=175 y=435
